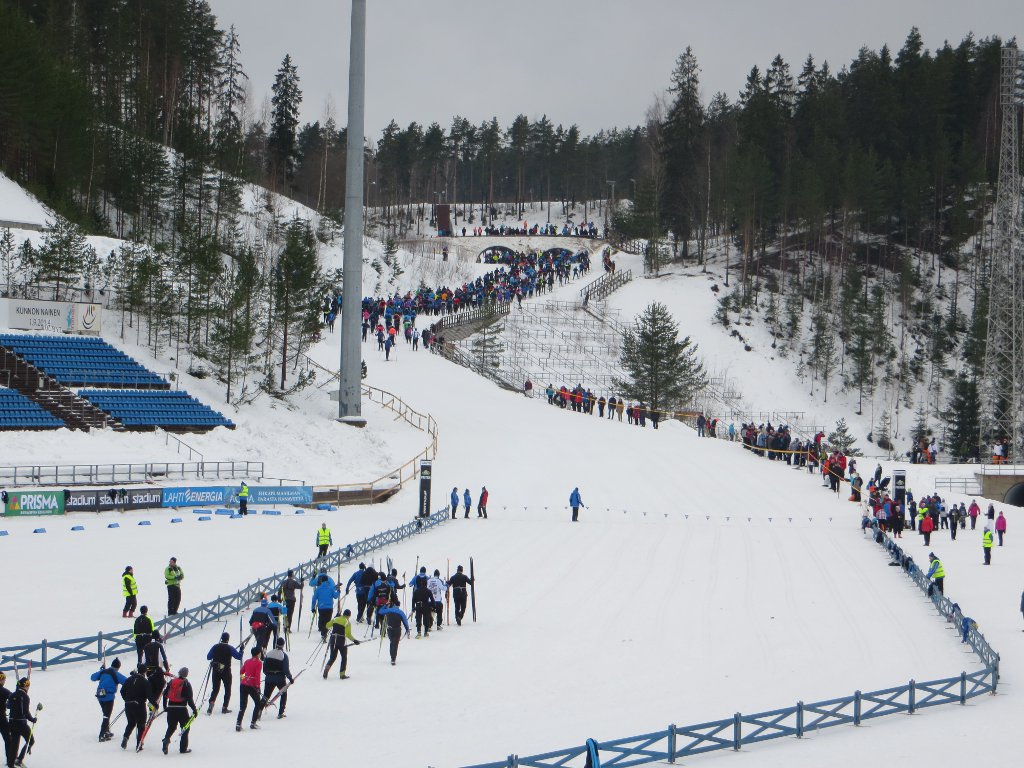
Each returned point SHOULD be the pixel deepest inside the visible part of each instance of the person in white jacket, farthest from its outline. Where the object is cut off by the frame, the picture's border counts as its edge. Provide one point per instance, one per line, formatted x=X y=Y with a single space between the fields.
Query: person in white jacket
x=437 y=587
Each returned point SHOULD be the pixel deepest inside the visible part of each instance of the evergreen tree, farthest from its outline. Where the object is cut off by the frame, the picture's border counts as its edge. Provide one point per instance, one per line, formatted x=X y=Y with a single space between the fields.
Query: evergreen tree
x=684 y=150
x=60 y=259
x=284 y=120
x=963 y=416
x=8 y=260
x=299 y=287
x=662 y=370
x=884 y=432
x=920 y=431
x=487 y=347
x=840 y=439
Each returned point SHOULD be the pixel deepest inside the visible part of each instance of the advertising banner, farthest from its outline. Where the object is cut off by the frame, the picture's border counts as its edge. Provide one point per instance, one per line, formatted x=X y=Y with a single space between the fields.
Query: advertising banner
x=280 y=494
x=424 y=500
x=197 y=496
x=59 y=316
x=123 y=498
x=25 y=503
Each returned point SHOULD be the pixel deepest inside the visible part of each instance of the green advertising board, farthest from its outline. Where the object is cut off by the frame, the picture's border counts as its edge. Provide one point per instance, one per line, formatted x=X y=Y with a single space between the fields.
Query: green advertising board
x=25 y=503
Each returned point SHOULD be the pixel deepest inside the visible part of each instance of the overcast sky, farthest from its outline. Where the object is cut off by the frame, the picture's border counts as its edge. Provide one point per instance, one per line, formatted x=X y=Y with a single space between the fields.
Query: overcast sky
x=598 y=64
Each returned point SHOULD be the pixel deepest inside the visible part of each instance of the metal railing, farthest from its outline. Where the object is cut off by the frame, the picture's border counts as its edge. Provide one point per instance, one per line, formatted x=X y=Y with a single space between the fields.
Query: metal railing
x=966 y=485
x=93 y=647
x=741 y=730
x=609 y=282
x=121 y=474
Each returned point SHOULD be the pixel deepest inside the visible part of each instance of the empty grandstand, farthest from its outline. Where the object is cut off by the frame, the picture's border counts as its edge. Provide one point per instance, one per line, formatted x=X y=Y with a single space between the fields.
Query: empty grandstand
x=18 y=412
x=46 y=371
x=174 y=410
x=77 y=361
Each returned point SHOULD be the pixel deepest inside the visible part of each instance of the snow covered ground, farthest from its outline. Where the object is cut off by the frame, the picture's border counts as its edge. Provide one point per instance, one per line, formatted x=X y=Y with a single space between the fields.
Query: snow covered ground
x=665 y=604
x=701 y=581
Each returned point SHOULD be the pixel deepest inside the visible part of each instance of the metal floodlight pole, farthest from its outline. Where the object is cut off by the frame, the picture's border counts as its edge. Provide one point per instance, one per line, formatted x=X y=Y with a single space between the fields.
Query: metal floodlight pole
x=350 y=368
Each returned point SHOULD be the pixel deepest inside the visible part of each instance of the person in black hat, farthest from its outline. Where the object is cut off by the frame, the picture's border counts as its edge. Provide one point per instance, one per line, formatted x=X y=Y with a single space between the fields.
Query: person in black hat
x=143 y=629
x=220 y=657
x=136 y=693
x=177 y=701
x=459 y=582
x=107 y=679
x=341 y=630
x=5 y=727
x=20 y=707
x=275 y=672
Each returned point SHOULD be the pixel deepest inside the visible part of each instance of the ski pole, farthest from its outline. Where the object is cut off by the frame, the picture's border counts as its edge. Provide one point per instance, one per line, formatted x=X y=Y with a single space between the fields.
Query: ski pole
x=31 y=733
x=314 y=653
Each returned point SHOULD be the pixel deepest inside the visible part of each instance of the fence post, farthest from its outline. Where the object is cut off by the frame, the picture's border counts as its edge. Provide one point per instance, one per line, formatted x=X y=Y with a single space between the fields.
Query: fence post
x=737 y=737
x=963 y=687
x=672 y=743
x=99 y=646
x=912 y=704
x=45 y=659
x=856 y=707
x=799 y=719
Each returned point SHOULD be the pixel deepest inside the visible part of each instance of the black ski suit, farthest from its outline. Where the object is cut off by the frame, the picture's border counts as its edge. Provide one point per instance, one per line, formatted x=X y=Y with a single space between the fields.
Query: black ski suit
x=21 y=716
x=220 y=657
x=136 y=693
x=178 y=706
x=459 y=584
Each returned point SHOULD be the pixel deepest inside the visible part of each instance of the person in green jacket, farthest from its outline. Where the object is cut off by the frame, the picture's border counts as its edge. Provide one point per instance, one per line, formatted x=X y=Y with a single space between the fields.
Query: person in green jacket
x=130 y=588
x=341 y=630
x=173 y=576
x=986 y=544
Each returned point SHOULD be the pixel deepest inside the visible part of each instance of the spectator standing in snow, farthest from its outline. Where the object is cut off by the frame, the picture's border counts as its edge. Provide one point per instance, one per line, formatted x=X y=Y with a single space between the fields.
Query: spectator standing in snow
x=986 y=545
x=575 y=502
x=1000 y=527
x=455 y=501
x=926 y=527
x=173 y=576
x=467 y=500
x=481 y=508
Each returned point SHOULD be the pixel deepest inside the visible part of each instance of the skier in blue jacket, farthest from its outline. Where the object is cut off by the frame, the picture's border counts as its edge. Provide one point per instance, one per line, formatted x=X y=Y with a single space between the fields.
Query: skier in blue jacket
x=324 y=596
x=455 y=501
x=468 y=499
x=264 y=617
x=108 y=678
x=575 y=502
x=396 y=619
x=361 y=590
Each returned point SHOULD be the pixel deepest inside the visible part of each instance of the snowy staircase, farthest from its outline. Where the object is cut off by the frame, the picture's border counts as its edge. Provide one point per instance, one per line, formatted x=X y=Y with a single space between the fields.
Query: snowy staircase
x=74 y=411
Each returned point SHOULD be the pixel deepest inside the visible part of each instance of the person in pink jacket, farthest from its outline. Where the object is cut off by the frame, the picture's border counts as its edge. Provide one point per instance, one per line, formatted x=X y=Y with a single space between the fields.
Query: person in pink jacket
x=1000 y=527
x=973 y=511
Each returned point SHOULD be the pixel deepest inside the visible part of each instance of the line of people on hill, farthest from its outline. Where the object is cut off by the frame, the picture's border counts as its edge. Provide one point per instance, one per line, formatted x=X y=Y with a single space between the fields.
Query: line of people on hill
x=583 y=400
x=548 y=229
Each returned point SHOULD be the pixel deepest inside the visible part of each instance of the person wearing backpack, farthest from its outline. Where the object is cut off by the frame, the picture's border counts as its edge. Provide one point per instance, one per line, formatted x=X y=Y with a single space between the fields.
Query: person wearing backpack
x=249 y=687
x=288 y=588
x=262 y=623
x=108 y=678
x=143 y=630
x=369 y=578
x=380 y=595
x=220 y=657
x=276 y=671
x=178 y=701
x=423 y=606
x=136 y=693
x=156 y=666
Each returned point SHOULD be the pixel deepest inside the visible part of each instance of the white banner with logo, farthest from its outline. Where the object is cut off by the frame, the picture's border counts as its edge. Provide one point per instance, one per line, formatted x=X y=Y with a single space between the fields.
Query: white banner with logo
x=64 y=316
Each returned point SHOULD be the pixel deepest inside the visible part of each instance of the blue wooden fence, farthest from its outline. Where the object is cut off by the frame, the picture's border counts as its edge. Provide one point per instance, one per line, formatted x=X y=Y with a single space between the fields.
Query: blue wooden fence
x=93 y=647
x=675 y=742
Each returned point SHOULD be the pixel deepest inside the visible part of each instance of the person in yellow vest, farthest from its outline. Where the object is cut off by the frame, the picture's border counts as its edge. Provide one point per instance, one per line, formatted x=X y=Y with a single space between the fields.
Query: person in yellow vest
x=130 y=588
x=986 y=544
x=323 y=540
x=936 y=573
x=173 y=576
x=243 y=500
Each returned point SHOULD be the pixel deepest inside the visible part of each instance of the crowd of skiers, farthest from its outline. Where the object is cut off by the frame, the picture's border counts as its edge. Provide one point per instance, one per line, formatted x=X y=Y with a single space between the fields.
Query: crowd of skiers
x=265 y=672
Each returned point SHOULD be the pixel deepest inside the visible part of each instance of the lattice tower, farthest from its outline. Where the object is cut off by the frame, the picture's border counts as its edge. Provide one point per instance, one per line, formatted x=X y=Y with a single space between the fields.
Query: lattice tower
x=1002 y=385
